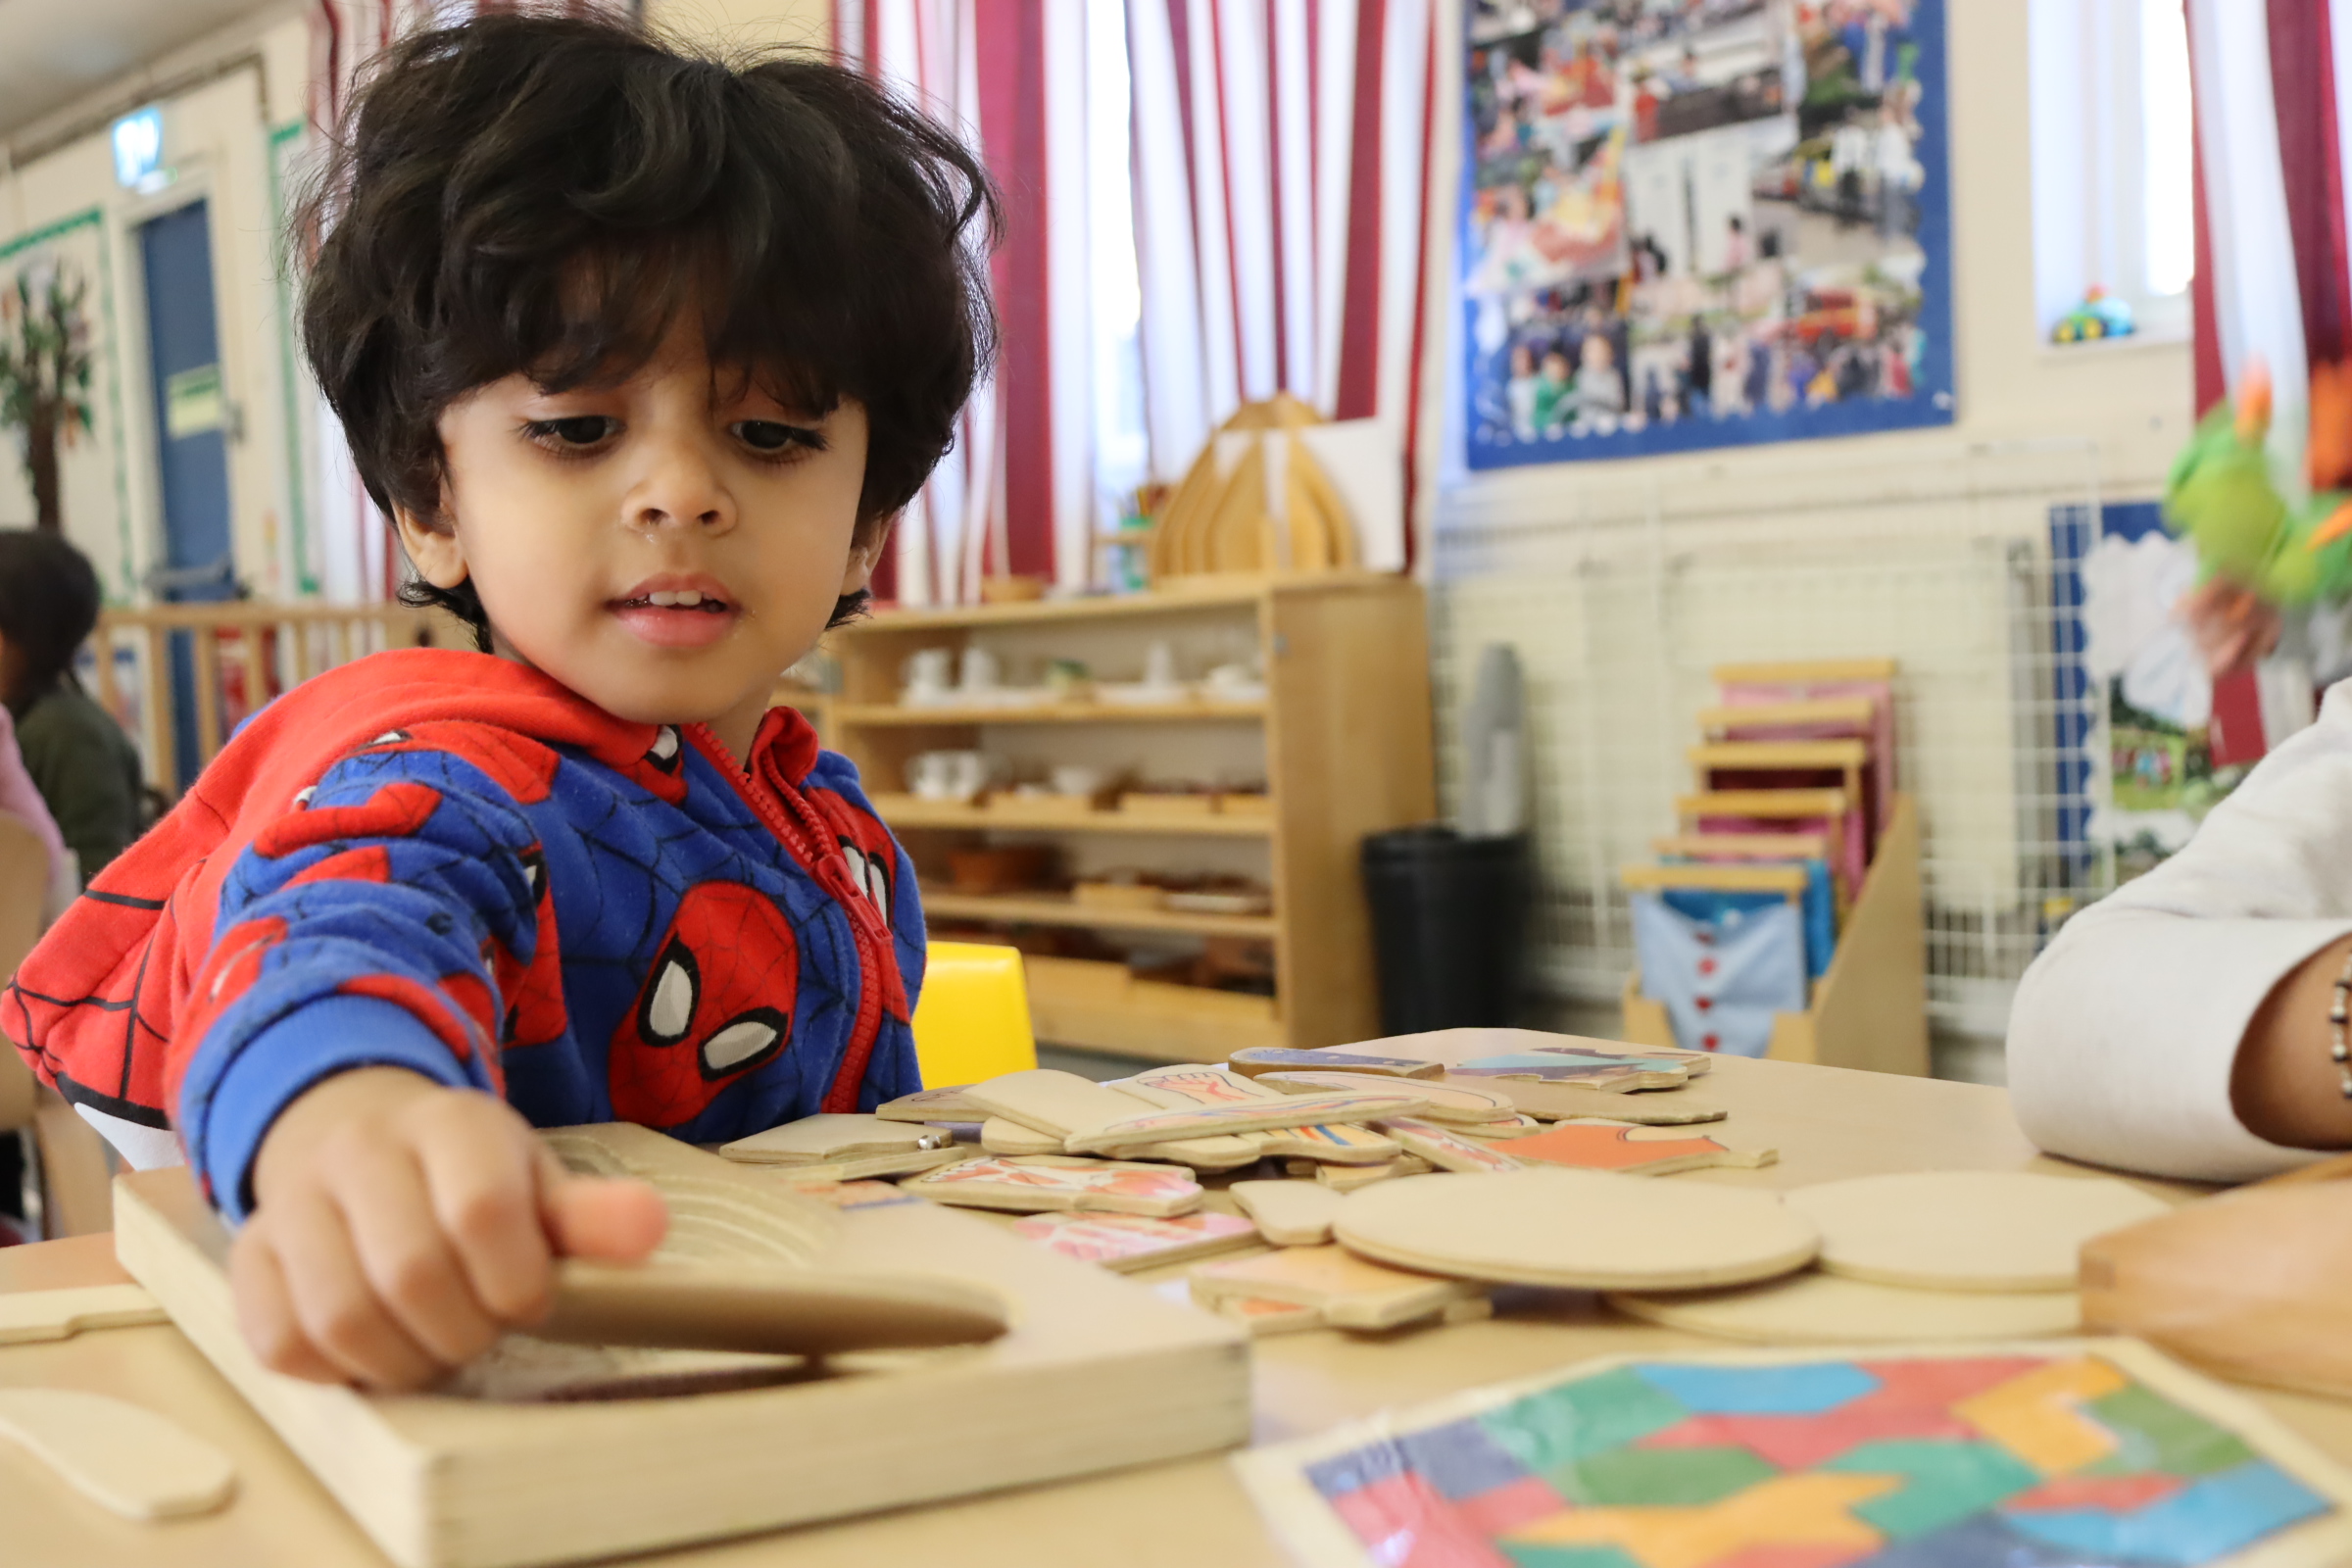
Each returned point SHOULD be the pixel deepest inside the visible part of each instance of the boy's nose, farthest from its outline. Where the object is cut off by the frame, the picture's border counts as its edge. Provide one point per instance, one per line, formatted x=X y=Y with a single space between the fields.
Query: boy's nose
x=680 y=487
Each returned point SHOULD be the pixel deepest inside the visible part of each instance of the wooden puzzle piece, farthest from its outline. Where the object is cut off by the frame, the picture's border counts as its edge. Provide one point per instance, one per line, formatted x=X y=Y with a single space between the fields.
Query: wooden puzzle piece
x=1125 y=1243
x=1442 y=1102
x=1350 y=1291
x=1496 y=1131
x=1697 y=1063
x=1046 y=1105
x=1059 y=1103
x=1262 y=1317
x=1001 y=1135
x=1583 y=1230
x=1348 y=1178
x=904 y=1164
x=1613 y=1075
x=1045 y=1182
x=1634 y=1150
x=122 y=1457
x=1555 y=1102
x=1339 y=1143
x=1292 y=1214
x=769 y=1311
x=1968 y=1230
x=1252 y=1060
x=62 y=1313
x=1449 y=1047
x=719 y=1212
x=932 y=1105
x=1816 y=1309
x=1441 y=1148
x=826 y=1138
x=1220 y=1152
x=1303 y=1111
x=1199 y=1084
x=853 y=1195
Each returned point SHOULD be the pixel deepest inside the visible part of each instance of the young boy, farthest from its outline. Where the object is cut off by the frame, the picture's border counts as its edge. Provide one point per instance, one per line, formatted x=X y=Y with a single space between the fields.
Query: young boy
x=641 y=353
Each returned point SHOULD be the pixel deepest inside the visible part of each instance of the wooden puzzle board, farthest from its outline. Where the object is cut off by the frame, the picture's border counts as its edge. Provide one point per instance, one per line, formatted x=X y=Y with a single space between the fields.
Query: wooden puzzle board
x=1094 y=1374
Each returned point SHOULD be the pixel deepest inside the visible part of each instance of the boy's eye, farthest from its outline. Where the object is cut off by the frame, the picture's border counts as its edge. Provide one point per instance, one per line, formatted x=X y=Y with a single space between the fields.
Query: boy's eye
x=770 y=435
x=578 y=430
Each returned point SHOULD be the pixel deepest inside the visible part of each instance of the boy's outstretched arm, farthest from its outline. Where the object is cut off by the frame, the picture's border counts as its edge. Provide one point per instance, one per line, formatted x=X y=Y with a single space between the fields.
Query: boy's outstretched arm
x=339 y=1083
x=401 y=1226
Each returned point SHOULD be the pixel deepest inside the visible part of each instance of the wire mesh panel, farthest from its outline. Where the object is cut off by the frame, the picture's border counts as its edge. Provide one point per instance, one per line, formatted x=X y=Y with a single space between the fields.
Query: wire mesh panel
x=1619 y=623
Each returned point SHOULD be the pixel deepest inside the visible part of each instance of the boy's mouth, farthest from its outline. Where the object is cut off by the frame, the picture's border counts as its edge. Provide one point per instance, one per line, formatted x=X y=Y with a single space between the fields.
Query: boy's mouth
x=675 y=612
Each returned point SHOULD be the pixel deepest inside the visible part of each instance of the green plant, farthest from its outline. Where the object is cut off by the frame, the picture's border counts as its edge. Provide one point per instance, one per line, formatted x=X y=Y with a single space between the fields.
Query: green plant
x=45 y=374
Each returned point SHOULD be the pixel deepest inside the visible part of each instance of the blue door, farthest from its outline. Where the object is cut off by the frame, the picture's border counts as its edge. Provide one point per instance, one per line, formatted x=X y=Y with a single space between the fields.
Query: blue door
x=191 y=433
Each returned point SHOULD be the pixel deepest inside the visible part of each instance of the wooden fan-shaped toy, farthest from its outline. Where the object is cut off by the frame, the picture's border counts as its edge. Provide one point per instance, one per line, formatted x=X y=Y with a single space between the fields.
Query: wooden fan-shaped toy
x=1228 y=519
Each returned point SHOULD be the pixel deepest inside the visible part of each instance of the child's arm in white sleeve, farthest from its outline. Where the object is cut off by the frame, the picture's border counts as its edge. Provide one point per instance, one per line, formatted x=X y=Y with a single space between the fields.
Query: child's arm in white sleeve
x=2127 y=1032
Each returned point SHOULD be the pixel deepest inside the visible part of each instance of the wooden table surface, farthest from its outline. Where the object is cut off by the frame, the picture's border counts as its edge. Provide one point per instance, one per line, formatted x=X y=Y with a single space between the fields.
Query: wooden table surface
x=1827 y=1124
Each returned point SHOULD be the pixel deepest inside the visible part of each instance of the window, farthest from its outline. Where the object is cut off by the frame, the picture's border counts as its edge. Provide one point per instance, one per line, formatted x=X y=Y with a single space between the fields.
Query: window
x=2112 y=155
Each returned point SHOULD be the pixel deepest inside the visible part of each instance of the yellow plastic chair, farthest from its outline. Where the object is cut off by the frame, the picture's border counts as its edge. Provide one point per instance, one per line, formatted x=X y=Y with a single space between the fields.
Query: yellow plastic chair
x=973 y=1019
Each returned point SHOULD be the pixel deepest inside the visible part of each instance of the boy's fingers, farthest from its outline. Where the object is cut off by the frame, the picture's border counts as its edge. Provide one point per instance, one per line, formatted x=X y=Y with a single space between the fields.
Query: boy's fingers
x=408 y=1263
x=266 y=1312
x=485 y=1196
x=610 y=1218
x=335 y=1305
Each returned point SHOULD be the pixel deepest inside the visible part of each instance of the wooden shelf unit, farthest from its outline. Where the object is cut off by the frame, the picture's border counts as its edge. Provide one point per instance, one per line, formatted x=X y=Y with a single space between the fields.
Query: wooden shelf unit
x=1347 y=752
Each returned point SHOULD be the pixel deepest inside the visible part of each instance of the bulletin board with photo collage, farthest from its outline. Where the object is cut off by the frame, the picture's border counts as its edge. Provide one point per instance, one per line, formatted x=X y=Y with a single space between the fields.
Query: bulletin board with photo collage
x=1693 y=224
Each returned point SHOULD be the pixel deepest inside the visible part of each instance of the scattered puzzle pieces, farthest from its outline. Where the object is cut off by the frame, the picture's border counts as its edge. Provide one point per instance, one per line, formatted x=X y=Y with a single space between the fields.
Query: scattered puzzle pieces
x=1441 y=1148
x=1125 y=1243
x=1350 y=1291
x=1046 y=1182
x=1292 y=1214
x=1634 y=1150
x=1252 y=1061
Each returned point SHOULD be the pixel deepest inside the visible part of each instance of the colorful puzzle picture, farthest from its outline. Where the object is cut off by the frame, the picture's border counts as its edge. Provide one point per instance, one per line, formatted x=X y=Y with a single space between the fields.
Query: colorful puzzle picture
x=2089 y=1455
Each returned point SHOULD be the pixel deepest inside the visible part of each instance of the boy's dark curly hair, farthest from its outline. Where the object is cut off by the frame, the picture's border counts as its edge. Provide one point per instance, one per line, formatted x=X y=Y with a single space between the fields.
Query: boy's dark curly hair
x=542 y=194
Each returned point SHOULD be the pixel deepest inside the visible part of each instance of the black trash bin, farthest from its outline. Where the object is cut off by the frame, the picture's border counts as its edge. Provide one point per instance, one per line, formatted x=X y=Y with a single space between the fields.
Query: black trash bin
x=1449 y=926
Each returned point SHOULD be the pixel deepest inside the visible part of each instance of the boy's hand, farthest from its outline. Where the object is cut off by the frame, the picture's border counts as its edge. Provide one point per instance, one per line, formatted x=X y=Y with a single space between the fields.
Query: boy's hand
x=399 y=1227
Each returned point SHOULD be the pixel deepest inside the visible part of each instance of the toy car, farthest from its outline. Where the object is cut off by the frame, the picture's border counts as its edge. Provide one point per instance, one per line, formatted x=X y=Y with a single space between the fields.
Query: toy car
x=2098 y=316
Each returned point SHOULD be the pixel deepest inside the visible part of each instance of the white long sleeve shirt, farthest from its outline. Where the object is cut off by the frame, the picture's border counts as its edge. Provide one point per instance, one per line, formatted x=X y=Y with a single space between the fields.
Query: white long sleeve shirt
x=2125 y=1029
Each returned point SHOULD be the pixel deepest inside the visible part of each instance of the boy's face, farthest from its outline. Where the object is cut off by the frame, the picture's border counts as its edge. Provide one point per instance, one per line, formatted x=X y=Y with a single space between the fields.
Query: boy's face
x=592 y=521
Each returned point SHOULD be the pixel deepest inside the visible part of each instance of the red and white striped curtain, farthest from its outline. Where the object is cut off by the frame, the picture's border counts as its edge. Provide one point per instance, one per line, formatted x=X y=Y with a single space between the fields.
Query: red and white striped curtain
x=2271 y=282
x=1281 y=150
x=1016 y=494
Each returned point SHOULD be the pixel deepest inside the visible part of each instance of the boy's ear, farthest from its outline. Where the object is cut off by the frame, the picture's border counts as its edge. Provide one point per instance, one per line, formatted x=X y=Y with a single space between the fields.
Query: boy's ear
x=434 y=549
x=858 y=573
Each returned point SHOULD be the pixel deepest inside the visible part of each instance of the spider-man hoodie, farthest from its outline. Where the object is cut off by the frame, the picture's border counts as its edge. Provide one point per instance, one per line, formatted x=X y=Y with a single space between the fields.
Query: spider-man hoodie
x=449 y=863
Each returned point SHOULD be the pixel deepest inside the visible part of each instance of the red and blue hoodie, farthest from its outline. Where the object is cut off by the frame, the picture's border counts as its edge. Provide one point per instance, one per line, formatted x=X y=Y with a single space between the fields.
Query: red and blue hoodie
x=450 y=863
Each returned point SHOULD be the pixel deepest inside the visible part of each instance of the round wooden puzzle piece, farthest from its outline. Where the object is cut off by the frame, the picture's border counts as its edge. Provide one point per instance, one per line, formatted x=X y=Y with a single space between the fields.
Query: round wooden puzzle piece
x=1967 y=1230
x=1583 y=1230
x=1817 y=1308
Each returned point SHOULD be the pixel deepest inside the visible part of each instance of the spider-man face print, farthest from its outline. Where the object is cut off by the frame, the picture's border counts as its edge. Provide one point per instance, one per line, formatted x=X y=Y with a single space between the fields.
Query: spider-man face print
x=717 y=1002
x=867 y=851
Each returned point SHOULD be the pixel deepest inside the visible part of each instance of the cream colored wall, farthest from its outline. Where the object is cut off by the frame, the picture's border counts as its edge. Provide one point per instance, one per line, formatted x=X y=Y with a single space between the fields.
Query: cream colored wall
x=805 y=24
x=216 y=137
x=2131 y=399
